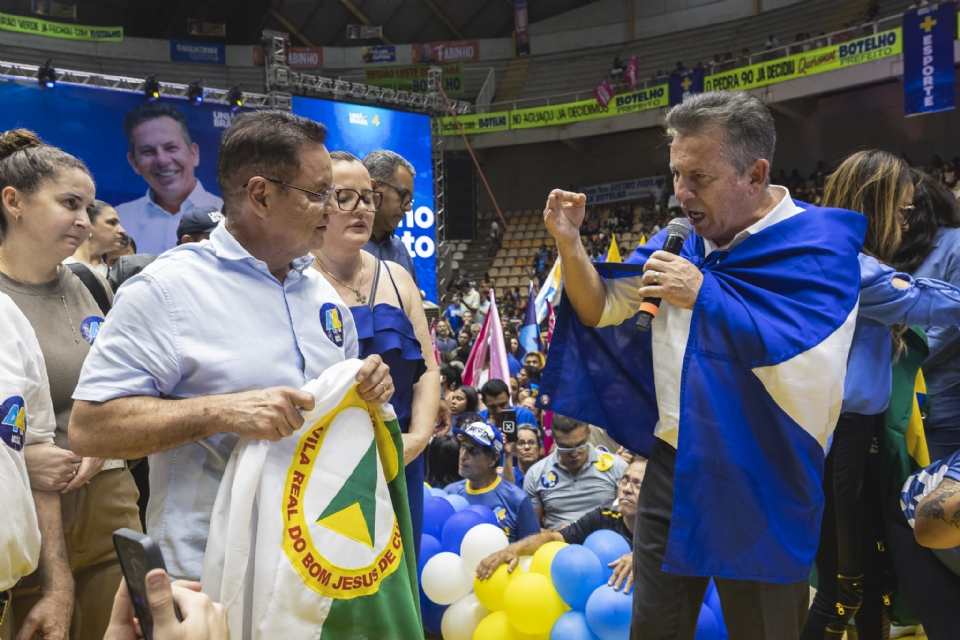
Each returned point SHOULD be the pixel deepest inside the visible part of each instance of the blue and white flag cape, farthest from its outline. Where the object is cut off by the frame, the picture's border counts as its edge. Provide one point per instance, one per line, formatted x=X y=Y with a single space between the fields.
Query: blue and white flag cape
x=759 y=391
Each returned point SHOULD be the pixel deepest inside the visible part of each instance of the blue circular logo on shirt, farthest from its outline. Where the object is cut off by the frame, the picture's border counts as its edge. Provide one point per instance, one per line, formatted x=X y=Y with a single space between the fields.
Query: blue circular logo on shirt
x=549 y=481
x=332 y=323
x=90 y=328
x=13 y=422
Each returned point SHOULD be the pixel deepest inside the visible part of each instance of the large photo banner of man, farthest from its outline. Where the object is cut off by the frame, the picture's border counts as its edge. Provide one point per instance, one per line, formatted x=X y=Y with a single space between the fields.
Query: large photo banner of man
x=153 y=161
x=360 y=129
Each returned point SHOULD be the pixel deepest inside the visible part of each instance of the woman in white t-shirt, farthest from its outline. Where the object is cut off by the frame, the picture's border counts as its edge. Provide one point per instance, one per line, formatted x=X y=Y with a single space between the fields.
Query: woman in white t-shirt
x=27 y=420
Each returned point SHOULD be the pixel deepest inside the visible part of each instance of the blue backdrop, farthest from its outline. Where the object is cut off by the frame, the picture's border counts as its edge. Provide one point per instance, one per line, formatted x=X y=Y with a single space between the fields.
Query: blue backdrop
x=361 y=129
x=928 y=58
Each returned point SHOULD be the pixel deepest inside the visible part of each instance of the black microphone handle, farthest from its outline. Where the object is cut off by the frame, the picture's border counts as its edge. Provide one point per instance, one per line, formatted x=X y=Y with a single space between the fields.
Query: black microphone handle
x=649 y=306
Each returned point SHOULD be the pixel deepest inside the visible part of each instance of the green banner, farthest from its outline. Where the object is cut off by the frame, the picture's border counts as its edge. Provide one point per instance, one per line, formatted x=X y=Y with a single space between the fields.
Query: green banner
x=836 y=56
x=477 y=123
x=35 y=27
x=414 y=78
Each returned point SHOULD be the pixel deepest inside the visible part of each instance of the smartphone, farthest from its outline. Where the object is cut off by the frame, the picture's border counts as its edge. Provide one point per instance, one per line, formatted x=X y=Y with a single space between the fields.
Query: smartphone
x=139 y=554
x=508 y=424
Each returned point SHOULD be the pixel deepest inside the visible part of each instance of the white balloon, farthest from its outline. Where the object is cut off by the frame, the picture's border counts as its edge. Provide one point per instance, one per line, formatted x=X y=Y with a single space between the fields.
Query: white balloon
x=444 y=580
x=480 y=542
x=524 y=563
x=461 y=619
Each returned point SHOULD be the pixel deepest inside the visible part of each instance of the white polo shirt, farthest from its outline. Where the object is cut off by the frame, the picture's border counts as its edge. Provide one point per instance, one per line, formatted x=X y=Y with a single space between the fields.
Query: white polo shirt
x=26 y=418
x=154 y=229
x=204 y=319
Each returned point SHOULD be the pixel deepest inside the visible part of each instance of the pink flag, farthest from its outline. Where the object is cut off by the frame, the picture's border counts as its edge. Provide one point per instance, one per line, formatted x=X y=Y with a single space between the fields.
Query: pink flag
x=492 y=333
x=604 y=93
x=631 y=73
x=551 y=322
x=433 y=339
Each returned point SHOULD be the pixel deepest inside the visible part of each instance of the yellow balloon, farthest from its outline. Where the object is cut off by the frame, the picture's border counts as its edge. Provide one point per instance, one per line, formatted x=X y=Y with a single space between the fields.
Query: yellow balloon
x=490 y=591
x=496 y=626
x=532 y=604
x=543 y=558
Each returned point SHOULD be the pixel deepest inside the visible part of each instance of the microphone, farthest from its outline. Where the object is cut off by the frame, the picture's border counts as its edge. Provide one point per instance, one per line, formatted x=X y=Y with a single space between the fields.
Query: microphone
x=677 y=233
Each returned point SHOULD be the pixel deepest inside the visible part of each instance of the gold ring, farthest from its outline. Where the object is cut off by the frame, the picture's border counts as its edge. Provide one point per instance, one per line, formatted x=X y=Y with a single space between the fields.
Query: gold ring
x=384 y=387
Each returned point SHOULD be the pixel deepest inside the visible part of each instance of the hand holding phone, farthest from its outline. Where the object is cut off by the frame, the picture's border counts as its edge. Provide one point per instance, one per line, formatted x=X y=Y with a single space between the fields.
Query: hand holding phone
x=138 y=555
x=508 y=424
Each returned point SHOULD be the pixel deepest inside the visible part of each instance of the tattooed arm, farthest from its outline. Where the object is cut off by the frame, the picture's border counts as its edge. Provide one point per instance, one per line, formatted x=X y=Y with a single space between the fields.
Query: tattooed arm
x=937 y=517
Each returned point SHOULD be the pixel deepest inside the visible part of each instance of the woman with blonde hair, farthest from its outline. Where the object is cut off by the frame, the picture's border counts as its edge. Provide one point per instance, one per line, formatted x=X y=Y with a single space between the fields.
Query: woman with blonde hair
x=852 y=565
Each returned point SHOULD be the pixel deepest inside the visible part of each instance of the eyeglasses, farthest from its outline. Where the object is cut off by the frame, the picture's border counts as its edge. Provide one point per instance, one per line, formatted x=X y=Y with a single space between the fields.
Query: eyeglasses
x=571 y=449
x=907 y=210
x=406 y=197
x=322 y=196
x=349 y=200
x=528 y=444
x=624 y=481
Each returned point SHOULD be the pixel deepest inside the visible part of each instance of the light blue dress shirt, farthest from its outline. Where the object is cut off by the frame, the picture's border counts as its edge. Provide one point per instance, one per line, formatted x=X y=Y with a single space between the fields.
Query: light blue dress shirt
x=204 y=319
x=868 y=382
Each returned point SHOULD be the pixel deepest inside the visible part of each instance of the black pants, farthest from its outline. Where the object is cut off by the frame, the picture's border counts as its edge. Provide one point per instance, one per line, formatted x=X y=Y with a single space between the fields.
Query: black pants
x=666 y=605
x=930 y=587
x=852 y=545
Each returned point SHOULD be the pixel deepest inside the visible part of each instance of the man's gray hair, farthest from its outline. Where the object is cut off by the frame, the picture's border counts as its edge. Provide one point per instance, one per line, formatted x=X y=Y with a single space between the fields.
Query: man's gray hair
x=383 y=165
x=749 y=132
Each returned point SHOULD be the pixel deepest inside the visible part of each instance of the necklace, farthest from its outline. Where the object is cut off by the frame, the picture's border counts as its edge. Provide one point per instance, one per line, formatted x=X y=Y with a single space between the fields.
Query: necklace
x=63 y=298
x=362 y=299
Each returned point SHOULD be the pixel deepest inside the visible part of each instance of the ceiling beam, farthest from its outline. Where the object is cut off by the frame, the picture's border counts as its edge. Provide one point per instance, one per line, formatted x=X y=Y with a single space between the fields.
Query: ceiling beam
x=289 y=27
x=444 y=19
x=355 y=10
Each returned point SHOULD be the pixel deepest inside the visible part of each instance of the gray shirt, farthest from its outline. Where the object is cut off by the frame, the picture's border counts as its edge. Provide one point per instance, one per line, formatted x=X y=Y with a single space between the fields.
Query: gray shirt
x=391 y=248
x=564 y=497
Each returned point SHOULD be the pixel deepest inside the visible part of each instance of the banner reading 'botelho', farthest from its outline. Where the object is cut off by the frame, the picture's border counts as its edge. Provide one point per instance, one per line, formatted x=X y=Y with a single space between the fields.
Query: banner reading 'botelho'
x=35 y=27
x=928 y=58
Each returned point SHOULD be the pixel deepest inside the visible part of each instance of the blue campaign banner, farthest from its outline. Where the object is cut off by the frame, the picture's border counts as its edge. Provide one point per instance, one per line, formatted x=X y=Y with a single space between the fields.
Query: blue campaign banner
x=361 y=129
x=928 y=35
x=685 y=83
x=201 y=52
x=88 y=122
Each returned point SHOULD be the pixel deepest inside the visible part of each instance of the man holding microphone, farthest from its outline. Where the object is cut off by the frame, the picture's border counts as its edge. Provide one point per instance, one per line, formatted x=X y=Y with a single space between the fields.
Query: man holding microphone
x=746 y=358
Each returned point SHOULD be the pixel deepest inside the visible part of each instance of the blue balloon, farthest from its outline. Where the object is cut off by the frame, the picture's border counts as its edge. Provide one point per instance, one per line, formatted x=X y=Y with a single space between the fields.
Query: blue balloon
x=707 y=627
x=609 y=612
x=576 y=572
x=459 y=502
x=439 y=493
x=713 y=601
x=488 y=515
x=609 y=546
x=432 y=613
x=457 y=527
x=572 y=626
x=436 y=512
x=429 y=547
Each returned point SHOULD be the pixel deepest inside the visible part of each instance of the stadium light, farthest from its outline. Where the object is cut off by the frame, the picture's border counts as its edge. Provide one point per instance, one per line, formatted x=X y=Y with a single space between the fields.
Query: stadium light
x=235 y=98
x=195 y=92
x=46 y=76
x=151 y=88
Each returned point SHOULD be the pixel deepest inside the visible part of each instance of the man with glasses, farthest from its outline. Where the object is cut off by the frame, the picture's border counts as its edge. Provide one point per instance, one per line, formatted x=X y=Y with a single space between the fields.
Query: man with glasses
x=214 y=340
x=620 y=520
x=575 y=478
x=480 y=447
x=392 y=176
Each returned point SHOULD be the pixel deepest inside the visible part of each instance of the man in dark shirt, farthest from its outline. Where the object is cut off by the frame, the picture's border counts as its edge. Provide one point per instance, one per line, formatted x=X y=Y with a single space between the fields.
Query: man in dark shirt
x=620 y=521
x=393 y=176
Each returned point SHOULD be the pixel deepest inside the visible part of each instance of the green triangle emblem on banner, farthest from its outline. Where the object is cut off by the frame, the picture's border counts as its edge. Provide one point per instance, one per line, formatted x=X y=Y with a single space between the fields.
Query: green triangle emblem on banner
x=353 y=511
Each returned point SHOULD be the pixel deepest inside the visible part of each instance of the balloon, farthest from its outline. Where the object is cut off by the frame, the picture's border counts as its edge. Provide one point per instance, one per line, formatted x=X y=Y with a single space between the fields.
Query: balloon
x=713 y=601
x=490 y=591
x=707 y=627
x=436 y=512
x=456 y=528
x=488 y=515
x=572 y=626
x=438 y=493
x=444 y=579
x=608 y=613
x=480 y=542
x=609 y=546
x=524 y=563
x=543 y=557
x=532 y=604
x=459 y=502
x=432 y=613
x=496 y=626
x=462 y=618
x=576 y=572
x=429 y=547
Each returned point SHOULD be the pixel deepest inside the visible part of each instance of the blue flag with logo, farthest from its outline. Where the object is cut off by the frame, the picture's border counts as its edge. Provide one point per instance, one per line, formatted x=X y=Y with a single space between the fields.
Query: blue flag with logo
x=529 y=337
x=684 y=83
x=748 y=386
x=928 y=58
